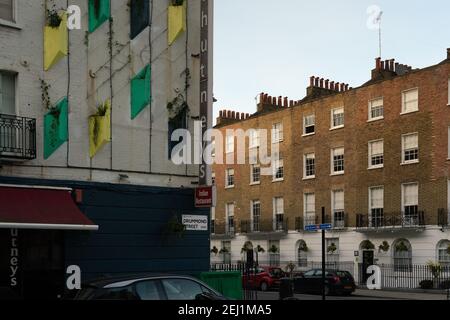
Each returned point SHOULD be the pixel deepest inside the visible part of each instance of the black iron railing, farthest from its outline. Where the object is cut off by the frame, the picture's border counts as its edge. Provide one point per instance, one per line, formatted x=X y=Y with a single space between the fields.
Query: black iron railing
x=17 y=137
x=223 y=229
x=278 y=224
x=399 y=220
x=443 y=218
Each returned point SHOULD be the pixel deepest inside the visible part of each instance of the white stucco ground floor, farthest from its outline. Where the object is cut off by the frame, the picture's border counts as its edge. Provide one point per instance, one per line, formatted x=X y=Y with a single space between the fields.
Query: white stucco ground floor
x=419 y=246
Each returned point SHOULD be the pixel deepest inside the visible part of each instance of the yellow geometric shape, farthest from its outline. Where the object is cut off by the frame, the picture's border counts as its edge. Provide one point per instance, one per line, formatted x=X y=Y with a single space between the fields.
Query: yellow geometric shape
x=56 y=43
x=176 y=22
x=99 y=130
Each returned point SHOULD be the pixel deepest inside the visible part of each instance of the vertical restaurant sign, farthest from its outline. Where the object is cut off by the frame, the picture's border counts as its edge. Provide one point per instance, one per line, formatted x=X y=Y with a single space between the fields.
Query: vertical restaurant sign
x=204 y=85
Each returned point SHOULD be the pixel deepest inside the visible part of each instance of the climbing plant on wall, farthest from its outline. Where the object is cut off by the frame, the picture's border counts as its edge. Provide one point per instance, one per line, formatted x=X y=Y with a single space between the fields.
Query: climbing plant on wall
x=140 y=91
x=55 y=127
x=99 y=12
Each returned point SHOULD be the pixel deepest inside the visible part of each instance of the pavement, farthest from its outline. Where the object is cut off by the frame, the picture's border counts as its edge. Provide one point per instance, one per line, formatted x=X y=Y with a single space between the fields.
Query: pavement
x=364 y=294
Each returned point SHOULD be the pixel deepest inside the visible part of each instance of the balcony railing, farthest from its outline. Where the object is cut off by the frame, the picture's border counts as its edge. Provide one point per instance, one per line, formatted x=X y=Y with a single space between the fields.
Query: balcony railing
x=302 y=222
x=396 y=220
x=17 y=137
x=222 y=229
x=280 y=224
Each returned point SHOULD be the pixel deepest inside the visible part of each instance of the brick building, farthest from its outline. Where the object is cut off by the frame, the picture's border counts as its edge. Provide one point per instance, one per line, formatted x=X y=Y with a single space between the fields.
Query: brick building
x=376 y=157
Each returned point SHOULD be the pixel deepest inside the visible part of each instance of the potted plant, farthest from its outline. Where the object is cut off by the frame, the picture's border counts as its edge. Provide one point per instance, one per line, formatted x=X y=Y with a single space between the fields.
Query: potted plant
x=367 y=245
x=224 y=251
x=53 y=18
x=99 y=128
x=215 y=250
x=384 y=247
x=401 y=247
x=260 y=249
x=303 y=247
x=273 y=249
x=177 y=2
x=435 y=269
x=332 y=248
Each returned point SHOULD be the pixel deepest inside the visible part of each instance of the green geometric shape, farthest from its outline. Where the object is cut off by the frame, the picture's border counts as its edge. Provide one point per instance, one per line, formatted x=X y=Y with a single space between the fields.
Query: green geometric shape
x=99 y=12
x=56 y=131
x=140 y=91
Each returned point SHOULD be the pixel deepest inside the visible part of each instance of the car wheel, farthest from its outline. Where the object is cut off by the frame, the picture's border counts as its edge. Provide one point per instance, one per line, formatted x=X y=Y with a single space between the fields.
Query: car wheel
x=264 y=286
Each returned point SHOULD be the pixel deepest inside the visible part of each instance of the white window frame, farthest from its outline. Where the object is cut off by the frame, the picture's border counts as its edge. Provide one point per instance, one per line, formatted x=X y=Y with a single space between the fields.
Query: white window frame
x=279 y=163
x=254 y=139
x=276 y=212
x=404 y=93
x=252 y=182
x=229 y=215
x=335 y=173
x=378 y=166
x=442 y=246
x=404 y=185
x=227 y=174
x=13 y=23
x=370 y=202
x=229 y=143
x=277 y=132
x=334 y=209
x=371 y=105
x=309 y=216
x=305 y=157
x=332 y=126
x=305 y=126
x=252 y=214
x=404 y=162
x=15 y=76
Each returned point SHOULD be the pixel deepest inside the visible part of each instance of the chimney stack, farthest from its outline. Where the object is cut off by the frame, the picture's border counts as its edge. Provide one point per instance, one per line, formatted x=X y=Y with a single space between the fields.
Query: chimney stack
x=448 y=53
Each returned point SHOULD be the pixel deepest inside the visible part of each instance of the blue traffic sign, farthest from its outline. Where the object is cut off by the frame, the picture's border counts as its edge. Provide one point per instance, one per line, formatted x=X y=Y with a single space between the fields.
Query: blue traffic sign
x=315 y=227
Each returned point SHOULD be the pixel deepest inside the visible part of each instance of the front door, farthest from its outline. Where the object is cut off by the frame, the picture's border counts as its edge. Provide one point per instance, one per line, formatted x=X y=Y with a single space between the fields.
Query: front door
x=368 y=260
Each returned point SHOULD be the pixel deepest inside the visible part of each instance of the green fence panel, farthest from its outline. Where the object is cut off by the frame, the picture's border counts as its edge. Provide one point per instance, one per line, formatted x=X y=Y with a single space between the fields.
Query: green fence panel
x=56 y=131
x=227 y=283
x=140 y=91
x=99 y=12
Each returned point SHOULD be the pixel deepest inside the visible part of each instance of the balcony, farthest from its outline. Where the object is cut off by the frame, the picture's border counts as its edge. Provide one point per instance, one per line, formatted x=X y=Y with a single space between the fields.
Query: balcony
x=262 y=228
x=390 y=222
x=17 y=138
x=222 y=230
x=302 y=222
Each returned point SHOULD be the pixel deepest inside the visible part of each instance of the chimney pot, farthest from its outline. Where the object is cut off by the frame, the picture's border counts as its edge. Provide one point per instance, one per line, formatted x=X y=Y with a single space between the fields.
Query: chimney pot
x=332 y=85
x=265 y=97
x=247 y=115
x=285 y=103
x=342 y=86
x=316 y=82
x=280 y=101
x=391 y=64
x=336 y=88
x=220 y=113
x=274 y=101
x=346 y=87
x=311 y=81
x=291 y=103
x=448 y=53
x=321 y=83
x=378 y=64
x=327 y=84
x=233 y=114
x=386 y=64
x=382 y=65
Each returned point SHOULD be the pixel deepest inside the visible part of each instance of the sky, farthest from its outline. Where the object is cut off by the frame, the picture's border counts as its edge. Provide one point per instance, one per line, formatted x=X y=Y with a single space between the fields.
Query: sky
x=274 y=46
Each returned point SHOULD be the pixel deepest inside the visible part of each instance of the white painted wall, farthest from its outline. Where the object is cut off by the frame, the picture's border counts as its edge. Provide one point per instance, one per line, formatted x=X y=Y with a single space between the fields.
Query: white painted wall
x=131 y=151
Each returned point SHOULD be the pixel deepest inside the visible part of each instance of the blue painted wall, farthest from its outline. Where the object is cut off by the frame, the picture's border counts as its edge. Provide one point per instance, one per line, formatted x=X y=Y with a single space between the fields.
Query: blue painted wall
x=133 y=235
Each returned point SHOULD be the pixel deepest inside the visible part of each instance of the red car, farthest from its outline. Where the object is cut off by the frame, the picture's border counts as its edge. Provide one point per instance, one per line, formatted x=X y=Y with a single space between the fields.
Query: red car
x=264 y=278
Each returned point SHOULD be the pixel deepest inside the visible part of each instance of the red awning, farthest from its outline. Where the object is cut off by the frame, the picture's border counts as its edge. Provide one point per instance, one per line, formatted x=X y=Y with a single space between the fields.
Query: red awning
x=33 y=208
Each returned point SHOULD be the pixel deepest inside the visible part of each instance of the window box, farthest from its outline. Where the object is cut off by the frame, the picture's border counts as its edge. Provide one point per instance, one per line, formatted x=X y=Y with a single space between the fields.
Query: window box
x=55 y=128
x=100 y=128
x=99 y=12
x=140 y=91
x=176 y=21
x=56 y=42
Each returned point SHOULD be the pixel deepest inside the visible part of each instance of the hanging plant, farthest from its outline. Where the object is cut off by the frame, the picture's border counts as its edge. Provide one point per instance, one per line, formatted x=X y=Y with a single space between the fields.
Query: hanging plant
x=174 y=226
x=177 y=2
x=215 y=250
x=367 y=245
x=401 y=247
x=102 y=108
x=303 y=247
x=384 y=246
x=247 y=247
x=332 y=248
x=260 y=249
x=53 y=17
x=224 y=251
x=273 y=249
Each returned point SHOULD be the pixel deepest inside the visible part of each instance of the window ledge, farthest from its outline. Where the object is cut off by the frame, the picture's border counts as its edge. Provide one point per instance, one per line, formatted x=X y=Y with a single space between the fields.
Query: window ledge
x=409 y=162
x=276 y=142
x=10 y=24
x=337 y=174
x=255 y=183
x=229 y=187
x=309 y=178
x=375 y=119
x=337 y=128
x=375 y=167
x=308 y=134
x=408 y=112
x=277 y=180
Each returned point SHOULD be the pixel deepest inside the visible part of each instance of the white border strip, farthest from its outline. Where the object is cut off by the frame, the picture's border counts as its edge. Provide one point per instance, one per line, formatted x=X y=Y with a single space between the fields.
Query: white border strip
x=42 y=226
x=34 y=187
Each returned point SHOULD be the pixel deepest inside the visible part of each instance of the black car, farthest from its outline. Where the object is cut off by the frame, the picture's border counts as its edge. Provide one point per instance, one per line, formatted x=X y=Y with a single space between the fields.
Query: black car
x=336 y=282
x=148 y=287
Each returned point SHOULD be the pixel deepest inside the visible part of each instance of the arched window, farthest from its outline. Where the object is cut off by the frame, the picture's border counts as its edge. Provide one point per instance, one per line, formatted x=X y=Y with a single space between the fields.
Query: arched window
x=402 y=255
x=302 y=254
x=443 y=255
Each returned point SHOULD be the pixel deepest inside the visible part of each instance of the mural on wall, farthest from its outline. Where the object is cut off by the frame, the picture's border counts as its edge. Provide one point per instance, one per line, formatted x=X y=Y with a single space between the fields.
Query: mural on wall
x=56 y=127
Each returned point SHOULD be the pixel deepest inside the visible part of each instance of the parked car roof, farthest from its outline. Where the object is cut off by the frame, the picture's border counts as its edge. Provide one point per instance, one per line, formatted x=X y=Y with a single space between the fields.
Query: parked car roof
x=124 y=280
